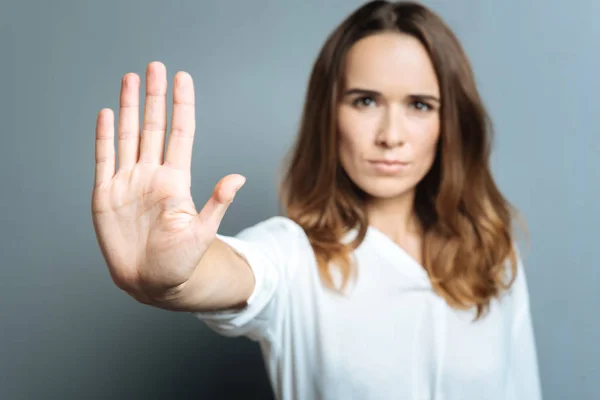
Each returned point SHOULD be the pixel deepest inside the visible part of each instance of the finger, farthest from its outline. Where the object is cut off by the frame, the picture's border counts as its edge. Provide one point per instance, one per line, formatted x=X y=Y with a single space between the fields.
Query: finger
x=155 y=114
x=105 y=147
x=183 y=123
x=214 y=210
x=129 y=121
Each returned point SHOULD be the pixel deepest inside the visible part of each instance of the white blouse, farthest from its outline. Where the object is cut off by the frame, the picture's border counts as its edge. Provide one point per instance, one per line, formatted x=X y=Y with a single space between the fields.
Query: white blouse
x=390 y=337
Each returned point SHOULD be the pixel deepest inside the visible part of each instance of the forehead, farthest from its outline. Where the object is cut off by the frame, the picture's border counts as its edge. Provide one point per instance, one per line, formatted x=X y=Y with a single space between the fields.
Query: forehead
x=390 y=62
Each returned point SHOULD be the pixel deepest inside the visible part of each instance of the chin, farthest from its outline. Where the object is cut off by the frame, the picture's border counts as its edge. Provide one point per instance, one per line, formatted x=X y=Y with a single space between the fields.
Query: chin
x=386 y=188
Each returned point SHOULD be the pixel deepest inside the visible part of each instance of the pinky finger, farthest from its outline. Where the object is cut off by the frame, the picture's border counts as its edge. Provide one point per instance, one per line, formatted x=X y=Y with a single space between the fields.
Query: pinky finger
x=105 y=147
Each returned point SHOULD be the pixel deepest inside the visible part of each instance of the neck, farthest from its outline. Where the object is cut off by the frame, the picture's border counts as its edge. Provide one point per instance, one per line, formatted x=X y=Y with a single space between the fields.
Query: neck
x=395 y=217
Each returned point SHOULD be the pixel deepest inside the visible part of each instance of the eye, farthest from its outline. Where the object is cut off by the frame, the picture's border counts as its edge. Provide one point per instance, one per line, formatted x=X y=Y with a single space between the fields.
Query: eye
x=364 y=101
x=421 y=106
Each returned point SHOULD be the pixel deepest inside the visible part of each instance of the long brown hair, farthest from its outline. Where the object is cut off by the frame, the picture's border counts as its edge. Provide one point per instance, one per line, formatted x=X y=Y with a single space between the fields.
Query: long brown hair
x=467 y=222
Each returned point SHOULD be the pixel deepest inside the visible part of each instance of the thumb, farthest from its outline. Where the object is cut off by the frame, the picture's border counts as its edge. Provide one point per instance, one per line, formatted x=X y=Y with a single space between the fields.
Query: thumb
x=214 y=210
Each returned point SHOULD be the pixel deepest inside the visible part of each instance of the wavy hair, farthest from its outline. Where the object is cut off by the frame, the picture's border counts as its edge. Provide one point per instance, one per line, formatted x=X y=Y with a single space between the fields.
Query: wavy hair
x=467 y=223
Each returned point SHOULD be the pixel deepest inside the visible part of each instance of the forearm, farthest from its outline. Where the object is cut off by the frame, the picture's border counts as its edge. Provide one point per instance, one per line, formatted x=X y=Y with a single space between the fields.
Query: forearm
x=222 y=280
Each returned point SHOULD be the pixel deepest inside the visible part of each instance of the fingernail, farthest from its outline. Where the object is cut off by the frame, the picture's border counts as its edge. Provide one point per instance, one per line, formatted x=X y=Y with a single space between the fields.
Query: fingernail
x=240 y=185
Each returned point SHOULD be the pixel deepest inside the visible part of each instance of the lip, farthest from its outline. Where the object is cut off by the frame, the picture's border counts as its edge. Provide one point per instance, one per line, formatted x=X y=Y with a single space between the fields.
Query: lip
x=389 y=162
x=388 y=166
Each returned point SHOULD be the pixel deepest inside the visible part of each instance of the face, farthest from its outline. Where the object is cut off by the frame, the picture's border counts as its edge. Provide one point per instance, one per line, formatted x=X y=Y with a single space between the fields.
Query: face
x=388 y=116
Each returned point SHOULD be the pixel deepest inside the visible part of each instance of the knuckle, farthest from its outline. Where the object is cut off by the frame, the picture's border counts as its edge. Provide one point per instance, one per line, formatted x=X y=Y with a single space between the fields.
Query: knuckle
x=154 y=126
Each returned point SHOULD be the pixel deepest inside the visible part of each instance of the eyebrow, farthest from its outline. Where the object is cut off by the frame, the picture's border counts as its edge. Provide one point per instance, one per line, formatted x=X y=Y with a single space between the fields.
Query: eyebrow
x=373 y=93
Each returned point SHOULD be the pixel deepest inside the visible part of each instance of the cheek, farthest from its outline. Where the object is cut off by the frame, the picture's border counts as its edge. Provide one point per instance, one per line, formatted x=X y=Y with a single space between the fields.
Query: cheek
x=426 y=143
x=353 y=138
x=350 y=151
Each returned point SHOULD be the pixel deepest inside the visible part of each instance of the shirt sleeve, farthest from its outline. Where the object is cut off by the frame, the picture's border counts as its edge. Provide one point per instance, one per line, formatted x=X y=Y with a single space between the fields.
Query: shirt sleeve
x=270 y=249
x=524 y=371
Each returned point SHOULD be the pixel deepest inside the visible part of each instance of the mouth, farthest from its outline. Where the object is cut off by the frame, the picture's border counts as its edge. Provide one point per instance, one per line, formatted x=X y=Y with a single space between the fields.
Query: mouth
x=388 y=162
x=388 y=166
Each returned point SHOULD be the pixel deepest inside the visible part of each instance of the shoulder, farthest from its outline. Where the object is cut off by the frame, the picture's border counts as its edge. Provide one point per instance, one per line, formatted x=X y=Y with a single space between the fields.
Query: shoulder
x=519 y=288
x=516 y=298
x=277 y=228
x=281 y=240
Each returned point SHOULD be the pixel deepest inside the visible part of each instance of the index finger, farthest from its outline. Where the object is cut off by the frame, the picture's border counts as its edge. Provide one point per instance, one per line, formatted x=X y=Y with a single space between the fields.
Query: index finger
x=183 y=123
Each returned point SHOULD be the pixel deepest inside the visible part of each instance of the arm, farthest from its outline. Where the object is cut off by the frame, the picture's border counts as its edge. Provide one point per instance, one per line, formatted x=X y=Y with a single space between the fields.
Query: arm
x=524 y=363
x=524 y=369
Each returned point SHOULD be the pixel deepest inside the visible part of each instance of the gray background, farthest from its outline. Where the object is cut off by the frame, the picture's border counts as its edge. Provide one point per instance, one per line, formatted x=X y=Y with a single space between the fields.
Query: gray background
x=67 y=332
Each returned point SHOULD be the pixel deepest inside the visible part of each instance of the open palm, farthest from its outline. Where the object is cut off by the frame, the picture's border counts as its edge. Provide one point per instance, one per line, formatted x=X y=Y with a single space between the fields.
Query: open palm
x=146 y=223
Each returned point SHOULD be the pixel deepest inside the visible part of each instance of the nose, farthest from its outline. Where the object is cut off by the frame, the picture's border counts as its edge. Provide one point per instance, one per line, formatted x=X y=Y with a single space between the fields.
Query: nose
x=392 y=128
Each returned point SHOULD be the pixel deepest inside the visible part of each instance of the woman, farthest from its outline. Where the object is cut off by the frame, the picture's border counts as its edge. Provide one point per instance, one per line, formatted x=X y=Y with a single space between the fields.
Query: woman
x=394 y=273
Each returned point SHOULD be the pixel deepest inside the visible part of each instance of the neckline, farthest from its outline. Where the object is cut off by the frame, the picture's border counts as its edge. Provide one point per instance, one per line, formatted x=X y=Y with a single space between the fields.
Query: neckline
x=395 y=254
